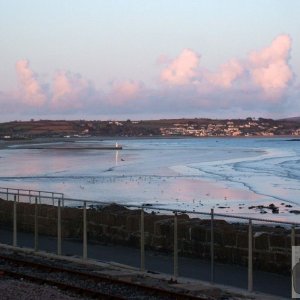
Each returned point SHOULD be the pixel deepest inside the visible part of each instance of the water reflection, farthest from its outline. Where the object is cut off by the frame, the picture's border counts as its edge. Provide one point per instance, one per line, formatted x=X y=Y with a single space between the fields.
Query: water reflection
x=145 y=172
x=117 y=157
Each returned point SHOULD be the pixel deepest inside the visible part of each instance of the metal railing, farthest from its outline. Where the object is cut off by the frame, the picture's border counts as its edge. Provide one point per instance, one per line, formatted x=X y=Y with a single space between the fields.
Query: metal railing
x=57 y=200
x=30 y=194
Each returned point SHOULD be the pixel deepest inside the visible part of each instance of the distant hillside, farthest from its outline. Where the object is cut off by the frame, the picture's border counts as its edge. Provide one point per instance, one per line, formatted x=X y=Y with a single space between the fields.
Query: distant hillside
x=198 y=127
x=36 y=128
x=293 y=119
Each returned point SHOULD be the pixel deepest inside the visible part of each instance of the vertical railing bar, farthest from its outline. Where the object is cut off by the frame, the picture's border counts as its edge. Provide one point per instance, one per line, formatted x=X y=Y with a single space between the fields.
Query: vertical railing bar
x=142 y=241
x=7 y=194
x=36 y=225
x=15 y=222
x=212 y=250
x=293 y=243
x=58 y=227
x=250 y=257
x=84 y=232
x=175 y=247
x=53 y=199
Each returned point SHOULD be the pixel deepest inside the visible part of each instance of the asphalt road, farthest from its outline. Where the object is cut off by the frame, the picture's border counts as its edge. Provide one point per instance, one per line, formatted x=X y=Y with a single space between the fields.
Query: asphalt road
x=225 y=274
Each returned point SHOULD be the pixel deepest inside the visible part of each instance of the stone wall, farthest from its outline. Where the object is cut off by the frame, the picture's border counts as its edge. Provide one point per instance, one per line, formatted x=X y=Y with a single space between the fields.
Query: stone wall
x=116 y=224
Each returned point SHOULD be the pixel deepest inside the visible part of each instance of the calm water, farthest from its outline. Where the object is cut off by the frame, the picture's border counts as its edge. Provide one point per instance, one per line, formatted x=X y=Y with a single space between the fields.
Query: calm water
x=227 y=174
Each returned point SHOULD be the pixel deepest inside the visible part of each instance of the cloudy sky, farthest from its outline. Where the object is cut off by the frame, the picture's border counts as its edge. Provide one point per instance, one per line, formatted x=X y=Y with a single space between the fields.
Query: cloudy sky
x=117 y=59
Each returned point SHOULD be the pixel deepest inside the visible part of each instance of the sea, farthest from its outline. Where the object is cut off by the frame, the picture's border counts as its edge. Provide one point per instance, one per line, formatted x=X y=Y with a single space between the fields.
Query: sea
x=237 y=176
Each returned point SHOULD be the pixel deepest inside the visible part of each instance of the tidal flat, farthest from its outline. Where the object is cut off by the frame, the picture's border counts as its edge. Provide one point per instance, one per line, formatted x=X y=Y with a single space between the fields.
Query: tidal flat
x=241 y=176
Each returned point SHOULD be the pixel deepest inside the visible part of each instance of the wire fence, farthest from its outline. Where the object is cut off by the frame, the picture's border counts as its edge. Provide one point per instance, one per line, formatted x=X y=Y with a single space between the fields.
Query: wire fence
x=47 y=221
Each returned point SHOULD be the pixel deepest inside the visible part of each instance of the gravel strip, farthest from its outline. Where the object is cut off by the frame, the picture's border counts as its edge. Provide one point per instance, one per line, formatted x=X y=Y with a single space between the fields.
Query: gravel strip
x=12 y=289
x=23 y=290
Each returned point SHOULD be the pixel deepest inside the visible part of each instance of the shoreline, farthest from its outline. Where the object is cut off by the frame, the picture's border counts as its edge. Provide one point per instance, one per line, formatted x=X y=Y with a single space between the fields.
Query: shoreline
x=68 y=148
x=8 y=144
x=205 y=180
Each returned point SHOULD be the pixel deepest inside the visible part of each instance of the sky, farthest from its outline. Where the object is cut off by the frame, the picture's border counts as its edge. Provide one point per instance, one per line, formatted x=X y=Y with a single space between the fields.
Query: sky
x=141 y=59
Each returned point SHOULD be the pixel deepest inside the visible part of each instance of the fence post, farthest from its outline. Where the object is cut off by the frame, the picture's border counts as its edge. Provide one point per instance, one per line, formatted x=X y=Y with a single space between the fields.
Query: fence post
x=293 y=243
x=7 y=194
x=29 y=192
x=175 y=247
x=36 y=234
x=58 y=228
x=250 y=257
x=84 y=256
x=15 y=222
x=53 y=199
x=212 y=251
x=142 y=241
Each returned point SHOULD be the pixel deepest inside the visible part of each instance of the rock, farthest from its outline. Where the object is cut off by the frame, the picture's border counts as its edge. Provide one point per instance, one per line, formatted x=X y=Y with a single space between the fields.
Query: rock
x=117 y=224
x=295 y=211
x=114 y=208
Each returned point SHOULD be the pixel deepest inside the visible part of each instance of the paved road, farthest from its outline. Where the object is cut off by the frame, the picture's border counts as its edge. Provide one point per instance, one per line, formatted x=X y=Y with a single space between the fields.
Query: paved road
x=188 y=267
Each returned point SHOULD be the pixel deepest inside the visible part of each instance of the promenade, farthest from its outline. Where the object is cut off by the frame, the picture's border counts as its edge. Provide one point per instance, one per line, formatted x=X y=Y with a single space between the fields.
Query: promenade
x=225 y=274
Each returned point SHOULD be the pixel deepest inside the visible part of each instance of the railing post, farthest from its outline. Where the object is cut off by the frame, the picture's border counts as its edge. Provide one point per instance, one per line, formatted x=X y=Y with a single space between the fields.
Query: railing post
x=29 y=191
x=84 y=256
x=36 y=233
x=175 y=247
x=40 y=197
x=18 y=195
x=15 y=222
x=250 y=257
x=7 y=194
x=142 y=241
x=212 y=251
x=293 y=243
x=58 y=228
x=53 y=199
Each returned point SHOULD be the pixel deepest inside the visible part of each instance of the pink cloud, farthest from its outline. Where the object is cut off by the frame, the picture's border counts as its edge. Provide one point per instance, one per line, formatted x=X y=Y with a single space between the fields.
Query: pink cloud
x=69 y=90
x=31 y=91
x=266 y=71
x=125 y=91
x=269 y=67
x=182 y=70
x=226 y=74
x=254 y=83
x=278 y=50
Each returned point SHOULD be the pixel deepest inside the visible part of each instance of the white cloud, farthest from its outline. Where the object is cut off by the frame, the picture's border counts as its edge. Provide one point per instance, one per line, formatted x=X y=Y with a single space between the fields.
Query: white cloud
x=70 y=91
x=259 y=82
x=269 y=67
x=183 y=69
x=31 y=91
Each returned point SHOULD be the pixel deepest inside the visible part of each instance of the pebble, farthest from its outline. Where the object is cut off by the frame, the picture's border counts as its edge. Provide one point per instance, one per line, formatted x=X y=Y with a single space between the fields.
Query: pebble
x=12 y=289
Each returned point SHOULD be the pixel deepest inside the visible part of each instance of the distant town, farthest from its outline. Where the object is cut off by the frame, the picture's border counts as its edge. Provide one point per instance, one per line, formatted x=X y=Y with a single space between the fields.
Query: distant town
x=197 y=127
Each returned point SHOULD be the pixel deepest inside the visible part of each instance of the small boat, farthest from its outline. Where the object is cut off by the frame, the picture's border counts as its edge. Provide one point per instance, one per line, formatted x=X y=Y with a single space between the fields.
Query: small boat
x=118 y=147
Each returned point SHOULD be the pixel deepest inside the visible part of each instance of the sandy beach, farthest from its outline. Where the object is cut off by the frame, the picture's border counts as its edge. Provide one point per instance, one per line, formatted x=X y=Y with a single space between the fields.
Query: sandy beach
x=229 y=175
